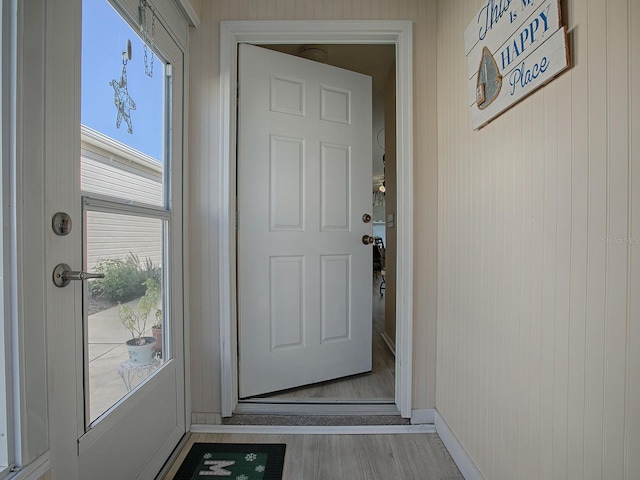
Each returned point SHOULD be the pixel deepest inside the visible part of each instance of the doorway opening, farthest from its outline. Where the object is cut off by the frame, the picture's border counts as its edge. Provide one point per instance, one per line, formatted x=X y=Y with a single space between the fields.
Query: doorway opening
x=377 y=385
x=396 y=34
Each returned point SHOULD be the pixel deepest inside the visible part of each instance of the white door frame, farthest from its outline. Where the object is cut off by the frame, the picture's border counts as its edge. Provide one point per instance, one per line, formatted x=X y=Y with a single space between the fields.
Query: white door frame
x=398 y=33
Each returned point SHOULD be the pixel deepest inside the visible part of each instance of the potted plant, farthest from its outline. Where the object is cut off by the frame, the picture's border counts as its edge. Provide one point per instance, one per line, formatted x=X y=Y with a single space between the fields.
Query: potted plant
x=153 y=294
x=141 y=348
x=156 y=331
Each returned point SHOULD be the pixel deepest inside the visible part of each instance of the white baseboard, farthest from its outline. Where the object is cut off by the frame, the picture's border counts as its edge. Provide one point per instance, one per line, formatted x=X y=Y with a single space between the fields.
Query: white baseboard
x=460 y=456
x=423 y=416
x=390 y=343
x=206 y=418
x=313 y=430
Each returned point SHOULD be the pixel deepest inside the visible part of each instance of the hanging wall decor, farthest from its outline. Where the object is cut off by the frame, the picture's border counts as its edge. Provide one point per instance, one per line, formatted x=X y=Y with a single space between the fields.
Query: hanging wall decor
x=512 y=48
x=121 y=99
x=150 y=41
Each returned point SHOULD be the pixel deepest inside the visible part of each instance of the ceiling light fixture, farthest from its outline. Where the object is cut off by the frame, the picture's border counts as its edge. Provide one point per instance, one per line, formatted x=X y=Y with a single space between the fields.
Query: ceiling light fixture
x=318 y=53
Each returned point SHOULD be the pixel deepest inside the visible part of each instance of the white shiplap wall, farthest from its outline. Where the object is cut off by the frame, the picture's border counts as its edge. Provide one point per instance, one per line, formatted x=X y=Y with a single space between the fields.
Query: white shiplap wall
x=538 y=363
x=204 y=165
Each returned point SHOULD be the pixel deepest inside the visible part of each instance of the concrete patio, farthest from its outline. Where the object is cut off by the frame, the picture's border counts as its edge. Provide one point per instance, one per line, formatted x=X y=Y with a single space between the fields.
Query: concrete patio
x=107 y=350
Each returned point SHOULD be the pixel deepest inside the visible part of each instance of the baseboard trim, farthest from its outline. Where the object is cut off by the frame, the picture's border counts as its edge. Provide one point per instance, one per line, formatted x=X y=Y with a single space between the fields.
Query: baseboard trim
x=465 y=464
x=206 y=418
x=313 y=430
x=390 y=343
x=423 y=416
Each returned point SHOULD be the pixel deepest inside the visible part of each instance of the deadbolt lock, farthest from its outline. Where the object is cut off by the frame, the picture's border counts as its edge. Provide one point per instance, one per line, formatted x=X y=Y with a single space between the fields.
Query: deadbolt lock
x=61 y=223
x=366 y=218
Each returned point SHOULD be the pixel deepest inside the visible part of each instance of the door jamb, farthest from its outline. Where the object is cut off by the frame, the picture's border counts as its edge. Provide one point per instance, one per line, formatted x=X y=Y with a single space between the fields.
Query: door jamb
x=398 y=33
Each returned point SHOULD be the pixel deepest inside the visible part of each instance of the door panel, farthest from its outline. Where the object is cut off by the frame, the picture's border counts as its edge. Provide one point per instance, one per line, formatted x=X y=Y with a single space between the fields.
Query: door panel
x=131 y=232
x=304 y=180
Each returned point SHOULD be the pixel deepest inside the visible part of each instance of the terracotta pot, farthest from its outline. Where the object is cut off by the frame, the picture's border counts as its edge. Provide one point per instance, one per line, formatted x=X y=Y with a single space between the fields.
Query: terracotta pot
x=157 y=333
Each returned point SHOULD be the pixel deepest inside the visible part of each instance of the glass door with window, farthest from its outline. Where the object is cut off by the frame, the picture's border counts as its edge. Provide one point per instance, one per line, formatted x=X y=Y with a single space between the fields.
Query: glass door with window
x=132 y=381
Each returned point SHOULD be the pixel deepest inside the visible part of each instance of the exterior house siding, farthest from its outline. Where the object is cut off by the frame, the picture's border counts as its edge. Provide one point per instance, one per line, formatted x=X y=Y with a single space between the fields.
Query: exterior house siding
x=133 y=176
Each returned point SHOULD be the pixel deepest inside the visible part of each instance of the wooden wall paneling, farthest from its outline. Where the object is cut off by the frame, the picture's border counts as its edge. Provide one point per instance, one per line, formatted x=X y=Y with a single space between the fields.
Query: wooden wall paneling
x=557 y=392
x=596 y=274
x=424 y=197
x=617 y=237
x=202 y=296
x=204 y=152
x=535 y=339
x=425 y=149
x=509 y=288
x=632 y=418
x=578 y=31
x=562 y=309
x=549 y=258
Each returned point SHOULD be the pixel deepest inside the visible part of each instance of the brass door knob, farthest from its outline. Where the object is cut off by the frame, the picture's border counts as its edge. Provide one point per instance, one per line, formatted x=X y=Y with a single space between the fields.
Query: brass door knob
x=367 y=239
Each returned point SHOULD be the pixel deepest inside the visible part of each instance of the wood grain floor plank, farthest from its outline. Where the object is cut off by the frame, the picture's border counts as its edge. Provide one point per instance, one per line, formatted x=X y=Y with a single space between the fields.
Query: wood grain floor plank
x=353 y=457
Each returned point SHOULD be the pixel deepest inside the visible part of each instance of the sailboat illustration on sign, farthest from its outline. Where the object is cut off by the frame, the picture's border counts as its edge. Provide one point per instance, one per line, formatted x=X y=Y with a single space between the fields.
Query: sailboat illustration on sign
x=489 y=80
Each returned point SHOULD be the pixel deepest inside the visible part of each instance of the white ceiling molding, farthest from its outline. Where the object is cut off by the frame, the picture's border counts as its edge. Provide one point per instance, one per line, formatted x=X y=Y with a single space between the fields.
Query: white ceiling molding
x=189 y=12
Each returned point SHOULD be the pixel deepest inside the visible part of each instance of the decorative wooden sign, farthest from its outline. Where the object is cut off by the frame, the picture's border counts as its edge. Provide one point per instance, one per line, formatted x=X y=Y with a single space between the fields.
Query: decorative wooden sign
x=513 y=47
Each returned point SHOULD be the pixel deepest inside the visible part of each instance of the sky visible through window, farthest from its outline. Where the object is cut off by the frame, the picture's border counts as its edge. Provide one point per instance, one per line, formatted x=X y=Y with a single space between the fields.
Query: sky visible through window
x=104 y=38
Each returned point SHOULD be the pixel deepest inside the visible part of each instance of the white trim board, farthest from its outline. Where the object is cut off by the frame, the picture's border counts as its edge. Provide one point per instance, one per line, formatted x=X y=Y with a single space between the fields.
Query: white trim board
x=189 y=12
x=363 y=408
x=460 y=456
x=398 y=33
x=313 y=430
x=423 y=416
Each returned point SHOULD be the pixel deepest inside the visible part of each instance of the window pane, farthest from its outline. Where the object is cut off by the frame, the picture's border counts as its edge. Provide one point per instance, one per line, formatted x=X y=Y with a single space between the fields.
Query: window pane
x=123 y=108
x=125 y=308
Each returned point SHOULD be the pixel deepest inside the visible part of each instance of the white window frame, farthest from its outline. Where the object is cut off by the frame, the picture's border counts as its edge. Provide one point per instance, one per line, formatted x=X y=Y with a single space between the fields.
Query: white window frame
x=7 y=124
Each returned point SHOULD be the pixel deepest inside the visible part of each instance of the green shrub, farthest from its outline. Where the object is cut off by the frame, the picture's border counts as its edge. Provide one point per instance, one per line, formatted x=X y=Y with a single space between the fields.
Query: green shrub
x=124 y=279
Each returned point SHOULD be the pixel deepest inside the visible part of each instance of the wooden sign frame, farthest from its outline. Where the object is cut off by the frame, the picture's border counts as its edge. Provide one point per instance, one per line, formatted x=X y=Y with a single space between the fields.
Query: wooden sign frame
x=513 y=48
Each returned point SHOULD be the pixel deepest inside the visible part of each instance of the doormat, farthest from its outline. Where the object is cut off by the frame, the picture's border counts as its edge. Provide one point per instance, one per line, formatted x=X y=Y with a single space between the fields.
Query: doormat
x=237 y=461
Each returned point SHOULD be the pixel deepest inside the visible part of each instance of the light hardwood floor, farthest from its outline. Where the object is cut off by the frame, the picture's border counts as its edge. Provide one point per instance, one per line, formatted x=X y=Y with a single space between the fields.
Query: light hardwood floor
x=377 y=385
x=354 y=457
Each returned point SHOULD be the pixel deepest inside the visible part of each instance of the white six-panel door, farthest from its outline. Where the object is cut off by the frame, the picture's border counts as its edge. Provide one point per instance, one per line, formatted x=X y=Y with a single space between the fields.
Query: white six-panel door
x=304 y=183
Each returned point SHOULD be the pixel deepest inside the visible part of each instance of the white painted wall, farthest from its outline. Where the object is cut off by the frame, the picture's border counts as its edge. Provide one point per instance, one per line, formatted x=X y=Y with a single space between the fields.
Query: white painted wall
x=538 y=365
x=205 y=165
